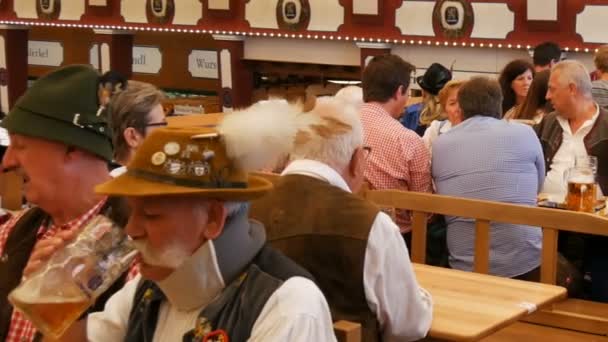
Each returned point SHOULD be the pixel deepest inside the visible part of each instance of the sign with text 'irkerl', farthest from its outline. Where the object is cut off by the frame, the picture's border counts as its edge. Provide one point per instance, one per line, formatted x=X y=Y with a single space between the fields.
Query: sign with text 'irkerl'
x=44 y=53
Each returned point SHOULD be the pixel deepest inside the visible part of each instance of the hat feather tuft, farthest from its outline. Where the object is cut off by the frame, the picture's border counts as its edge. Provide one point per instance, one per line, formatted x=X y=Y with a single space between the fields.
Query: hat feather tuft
x=259 y=135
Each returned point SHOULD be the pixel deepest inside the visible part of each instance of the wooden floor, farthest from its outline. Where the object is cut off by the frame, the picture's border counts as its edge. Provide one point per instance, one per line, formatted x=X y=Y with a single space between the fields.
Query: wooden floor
x=524 y=332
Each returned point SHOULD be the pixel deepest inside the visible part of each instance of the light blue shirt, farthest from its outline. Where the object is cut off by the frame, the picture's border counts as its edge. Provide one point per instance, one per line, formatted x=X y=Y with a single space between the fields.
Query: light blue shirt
x=491 y=159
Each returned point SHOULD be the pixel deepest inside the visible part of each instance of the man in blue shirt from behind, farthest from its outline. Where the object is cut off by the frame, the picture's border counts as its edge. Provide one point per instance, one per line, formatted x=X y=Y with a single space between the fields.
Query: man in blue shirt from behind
x=490 y=159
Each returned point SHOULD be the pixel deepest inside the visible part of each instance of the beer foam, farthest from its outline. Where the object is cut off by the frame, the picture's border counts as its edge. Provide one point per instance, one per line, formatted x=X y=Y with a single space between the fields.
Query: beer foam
x=582 y=179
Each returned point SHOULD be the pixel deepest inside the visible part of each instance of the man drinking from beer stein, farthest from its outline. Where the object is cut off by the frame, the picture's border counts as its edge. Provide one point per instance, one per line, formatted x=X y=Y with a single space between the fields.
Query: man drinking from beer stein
x=61 y=146
x=578 y=128
x=207 y=273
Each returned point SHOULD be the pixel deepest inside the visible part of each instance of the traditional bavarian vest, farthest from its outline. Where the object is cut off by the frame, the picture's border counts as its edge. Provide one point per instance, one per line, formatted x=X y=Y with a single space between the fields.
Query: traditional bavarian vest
x=324 y=229
x=253 y=275
x=20 y=244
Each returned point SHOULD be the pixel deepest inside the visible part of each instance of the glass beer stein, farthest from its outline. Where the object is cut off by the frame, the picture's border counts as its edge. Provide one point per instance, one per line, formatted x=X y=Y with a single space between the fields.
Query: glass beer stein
x=581 y=195
x=58 y=293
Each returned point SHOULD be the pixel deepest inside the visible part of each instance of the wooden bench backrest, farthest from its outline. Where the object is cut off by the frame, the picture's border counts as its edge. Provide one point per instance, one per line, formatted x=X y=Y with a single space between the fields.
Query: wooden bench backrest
x=484 y=212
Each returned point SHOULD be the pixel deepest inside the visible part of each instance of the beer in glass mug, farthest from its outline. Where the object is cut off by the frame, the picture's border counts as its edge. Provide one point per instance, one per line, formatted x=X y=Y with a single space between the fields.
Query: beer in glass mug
x=581 y=194
x=57 y=294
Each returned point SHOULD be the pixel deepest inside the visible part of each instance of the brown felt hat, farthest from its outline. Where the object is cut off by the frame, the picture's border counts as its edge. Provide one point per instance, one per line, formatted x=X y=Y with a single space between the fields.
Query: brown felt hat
x=185 y=161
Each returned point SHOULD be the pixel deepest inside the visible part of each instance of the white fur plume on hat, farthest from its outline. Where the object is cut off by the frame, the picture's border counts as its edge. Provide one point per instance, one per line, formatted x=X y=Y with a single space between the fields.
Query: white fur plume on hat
x=258 y=136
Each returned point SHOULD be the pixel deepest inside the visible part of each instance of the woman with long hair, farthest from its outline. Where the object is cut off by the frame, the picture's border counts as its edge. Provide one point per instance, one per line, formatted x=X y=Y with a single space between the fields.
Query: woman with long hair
x=535 y=106
x=433 y=80
x=515 y=80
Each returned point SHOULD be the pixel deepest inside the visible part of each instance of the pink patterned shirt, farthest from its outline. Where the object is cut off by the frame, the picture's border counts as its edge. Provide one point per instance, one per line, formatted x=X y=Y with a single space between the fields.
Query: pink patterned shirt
x=399 y=159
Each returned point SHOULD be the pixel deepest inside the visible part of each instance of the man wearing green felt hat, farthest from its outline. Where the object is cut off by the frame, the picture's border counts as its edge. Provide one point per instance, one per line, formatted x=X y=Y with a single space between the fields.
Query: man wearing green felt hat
x=61 y=145
x=206 y=271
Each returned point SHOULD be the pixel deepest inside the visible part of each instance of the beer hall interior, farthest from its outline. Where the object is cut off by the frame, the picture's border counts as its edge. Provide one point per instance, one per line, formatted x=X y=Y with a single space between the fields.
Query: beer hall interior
x=213 y=58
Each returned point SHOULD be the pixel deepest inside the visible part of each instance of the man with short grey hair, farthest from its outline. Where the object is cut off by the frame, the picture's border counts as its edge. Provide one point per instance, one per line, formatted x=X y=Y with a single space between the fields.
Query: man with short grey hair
x=578 y=127
x=354 y=251
x=490 y=159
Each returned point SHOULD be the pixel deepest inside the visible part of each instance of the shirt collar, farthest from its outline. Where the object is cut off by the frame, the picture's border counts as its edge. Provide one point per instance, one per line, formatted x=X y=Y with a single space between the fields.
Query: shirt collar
x=196 y=282
x=49 y=229
x=318 y=170
x=588 y=123
x=376 y=108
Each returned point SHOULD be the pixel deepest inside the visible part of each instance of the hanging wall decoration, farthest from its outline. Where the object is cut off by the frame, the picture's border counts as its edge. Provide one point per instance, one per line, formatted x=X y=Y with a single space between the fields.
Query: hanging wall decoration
x=455 y=17
x=48 y=9
x=160 y=11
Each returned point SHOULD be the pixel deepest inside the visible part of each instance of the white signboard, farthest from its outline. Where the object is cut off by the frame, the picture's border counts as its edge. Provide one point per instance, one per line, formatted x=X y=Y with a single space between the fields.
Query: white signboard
x=203 y=64
x=147 y=60
x=44 y=53
x=94 y=56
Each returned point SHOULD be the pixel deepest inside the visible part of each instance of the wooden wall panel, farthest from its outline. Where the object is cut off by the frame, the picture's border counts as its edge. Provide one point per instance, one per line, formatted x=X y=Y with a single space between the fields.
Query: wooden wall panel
x=175 y=48
x=76 y=45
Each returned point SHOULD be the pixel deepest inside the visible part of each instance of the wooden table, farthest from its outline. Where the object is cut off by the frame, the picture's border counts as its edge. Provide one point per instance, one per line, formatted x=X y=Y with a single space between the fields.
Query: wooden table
x=469 y=306
x=210 y=119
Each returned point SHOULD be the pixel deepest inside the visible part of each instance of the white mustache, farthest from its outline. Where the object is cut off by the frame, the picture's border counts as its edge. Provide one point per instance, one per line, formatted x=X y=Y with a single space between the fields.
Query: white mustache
x=171 y=257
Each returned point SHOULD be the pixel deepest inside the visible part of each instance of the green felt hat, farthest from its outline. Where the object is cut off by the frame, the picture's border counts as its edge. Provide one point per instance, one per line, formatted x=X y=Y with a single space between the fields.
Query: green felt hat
x=64 y=106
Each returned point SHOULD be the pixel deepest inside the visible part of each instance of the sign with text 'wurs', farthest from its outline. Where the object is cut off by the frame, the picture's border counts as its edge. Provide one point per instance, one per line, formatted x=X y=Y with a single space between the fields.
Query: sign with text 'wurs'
x=203 y=64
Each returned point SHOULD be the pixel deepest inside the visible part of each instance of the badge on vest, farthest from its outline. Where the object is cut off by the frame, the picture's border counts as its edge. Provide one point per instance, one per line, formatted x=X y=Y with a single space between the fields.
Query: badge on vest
x=203 y=333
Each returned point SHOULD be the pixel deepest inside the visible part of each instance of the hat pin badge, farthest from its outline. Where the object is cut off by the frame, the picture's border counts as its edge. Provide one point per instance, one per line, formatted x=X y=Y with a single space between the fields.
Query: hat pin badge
x=172 y=148
x=158 y=158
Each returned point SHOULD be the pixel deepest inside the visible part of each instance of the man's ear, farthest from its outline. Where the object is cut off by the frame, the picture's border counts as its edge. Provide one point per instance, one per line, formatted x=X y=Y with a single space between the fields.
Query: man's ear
x=355 y=162
x=216 y=219
x=398 y=92
x=132 y=137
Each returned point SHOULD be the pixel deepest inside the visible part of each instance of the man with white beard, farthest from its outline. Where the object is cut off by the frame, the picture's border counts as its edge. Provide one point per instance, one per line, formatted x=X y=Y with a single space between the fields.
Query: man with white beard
x=206 y=272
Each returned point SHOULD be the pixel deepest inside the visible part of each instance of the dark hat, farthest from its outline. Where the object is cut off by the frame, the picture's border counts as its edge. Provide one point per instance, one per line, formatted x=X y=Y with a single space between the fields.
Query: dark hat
x=64 y=106
x=435 y=77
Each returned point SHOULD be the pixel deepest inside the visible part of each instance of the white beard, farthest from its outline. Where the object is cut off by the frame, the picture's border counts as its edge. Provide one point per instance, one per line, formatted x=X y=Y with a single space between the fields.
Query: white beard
x=171 y=257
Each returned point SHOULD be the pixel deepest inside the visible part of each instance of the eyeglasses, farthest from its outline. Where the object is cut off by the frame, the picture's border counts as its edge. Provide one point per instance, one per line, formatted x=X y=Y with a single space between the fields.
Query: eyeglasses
x=157 y=124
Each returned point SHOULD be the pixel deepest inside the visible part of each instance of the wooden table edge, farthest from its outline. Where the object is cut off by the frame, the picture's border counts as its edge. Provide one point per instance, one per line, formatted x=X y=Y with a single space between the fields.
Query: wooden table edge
x=496 y=327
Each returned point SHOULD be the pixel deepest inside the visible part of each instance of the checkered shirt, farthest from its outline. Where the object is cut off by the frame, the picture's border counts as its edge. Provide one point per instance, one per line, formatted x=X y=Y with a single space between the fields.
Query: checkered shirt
x=22 y=330
x=399 y=159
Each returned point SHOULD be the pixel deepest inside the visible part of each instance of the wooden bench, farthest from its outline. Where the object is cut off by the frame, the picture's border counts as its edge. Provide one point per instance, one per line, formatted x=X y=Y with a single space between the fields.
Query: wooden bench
x=571 y=314
x=347 y=331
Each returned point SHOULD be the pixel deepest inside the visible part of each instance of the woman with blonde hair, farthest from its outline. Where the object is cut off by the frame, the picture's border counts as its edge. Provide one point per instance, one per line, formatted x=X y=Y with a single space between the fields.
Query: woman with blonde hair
x=433 y=80
x=448 y=101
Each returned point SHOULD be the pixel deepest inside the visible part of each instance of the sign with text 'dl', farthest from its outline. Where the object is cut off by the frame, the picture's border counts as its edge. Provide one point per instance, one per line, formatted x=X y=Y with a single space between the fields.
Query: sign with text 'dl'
x=147 y=59
x=203 y=64
x=44 y=53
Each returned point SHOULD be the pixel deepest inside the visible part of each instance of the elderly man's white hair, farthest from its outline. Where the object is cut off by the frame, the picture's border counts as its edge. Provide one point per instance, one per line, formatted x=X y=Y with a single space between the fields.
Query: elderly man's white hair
x=571 y=71
x=329 y=133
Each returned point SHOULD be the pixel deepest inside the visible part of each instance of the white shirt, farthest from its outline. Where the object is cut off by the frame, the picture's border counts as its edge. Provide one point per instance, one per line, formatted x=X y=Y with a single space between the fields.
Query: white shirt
x=572 y=145
x=403 y=309
x=296 y=311
x=118 y=171
x=436 y=128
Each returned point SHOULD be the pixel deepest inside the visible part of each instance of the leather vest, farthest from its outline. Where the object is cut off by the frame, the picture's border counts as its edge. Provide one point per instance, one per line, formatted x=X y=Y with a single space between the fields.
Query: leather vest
x=324 y=229
x=234 y=311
